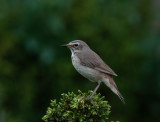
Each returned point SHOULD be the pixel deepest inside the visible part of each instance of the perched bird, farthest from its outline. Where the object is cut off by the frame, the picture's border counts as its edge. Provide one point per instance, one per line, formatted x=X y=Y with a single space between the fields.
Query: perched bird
x=92 y=67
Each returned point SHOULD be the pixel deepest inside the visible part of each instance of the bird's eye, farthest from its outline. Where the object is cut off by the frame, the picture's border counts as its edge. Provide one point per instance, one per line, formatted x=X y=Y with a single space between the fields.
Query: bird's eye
x=76 y=45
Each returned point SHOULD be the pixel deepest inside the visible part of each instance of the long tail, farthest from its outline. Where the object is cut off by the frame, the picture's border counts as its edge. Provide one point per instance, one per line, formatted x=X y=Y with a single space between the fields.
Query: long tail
x=111 y=84
x=120 y=97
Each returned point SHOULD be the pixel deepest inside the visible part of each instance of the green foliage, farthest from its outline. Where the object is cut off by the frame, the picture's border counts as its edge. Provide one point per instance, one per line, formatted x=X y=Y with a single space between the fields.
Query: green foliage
x=73 y=107
x=125 y=33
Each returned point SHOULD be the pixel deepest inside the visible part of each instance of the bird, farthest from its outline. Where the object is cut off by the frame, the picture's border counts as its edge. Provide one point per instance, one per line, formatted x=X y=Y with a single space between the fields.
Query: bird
x=91 y=66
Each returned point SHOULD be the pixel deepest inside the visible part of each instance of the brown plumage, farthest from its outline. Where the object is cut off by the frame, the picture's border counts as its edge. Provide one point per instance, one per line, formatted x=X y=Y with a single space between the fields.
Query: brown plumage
x=91 y=66
x=95 y=62
x=116 y=89
x=100 y=66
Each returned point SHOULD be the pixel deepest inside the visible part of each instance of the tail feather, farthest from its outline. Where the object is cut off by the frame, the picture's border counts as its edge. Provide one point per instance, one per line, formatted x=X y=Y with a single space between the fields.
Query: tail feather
x=111 y=84
x=120 y=97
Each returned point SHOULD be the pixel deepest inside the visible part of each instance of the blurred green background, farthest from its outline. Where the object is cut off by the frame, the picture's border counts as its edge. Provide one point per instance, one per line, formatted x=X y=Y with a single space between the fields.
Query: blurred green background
x=34 y=68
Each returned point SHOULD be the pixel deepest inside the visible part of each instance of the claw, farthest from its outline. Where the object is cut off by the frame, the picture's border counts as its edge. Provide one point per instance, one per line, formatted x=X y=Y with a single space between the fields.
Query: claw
x=87 y=98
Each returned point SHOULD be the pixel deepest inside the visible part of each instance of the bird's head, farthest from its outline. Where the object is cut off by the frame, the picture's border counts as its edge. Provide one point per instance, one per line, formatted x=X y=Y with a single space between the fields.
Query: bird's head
x=76 y=45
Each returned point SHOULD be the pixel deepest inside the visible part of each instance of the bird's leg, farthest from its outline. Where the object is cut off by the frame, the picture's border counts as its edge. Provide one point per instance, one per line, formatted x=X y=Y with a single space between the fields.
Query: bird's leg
x=91 y=96
x=99 y=83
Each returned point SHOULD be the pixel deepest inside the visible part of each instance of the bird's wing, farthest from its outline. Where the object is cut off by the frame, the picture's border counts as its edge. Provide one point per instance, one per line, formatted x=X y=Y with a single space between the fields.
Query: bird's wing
x=92 y=60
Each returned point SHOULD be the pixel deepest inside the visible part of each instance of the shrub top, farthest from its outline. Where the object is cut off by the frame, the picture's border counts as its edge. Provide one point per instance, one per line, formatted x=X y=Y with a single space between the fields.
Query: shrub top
x=73 y=107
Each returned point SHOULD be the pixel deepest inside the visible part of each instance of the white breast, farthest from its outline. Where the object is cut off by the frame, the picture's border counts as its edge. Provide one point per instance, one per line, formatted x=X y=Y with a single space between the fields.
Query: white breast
x=87 y=72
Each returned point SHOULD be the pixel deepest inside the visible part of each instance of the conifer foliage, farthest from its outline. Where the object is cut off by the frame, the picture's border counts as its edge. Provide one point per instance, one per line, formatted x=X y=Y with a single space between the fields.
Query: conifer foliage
x=73 y=107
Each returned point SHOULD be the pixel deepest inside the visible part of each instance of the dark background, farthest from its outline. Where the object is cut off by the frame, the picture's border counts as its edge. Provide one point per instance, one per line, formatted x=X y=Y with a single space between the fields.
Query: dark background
x=34 y=68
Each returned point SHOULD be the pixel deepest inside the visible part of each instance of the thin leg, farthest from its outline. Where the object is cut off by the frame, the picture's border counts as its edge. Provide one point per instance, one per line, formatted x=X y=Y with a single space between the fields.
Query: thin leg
x=99 y=83
x=91 y=96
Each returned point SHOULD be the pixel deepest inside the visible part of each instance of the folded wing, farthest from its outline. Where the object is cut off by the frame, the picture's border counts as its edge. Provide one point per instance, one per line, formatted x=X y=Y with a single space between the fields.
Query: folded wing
x=92 y=60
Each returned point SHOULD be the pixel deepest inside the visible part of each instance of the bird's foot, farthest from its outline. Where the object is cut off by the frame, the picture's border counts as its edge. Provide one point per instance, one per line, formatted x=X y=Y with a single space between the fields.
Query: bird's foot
x=85 y=98
x=88 y=98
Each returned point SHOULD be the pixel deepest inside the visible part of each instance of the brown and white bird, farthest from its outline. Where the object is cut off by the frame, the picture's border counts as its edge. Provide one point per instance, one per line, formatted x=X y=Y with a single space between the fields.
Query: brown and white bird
x=92 y=67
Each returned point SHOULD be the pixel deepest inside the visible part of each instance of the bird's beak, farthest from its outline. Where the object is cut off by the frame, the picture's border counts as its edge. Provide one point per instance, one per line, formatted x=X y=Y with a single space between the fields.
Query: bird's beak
x=66 y=45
